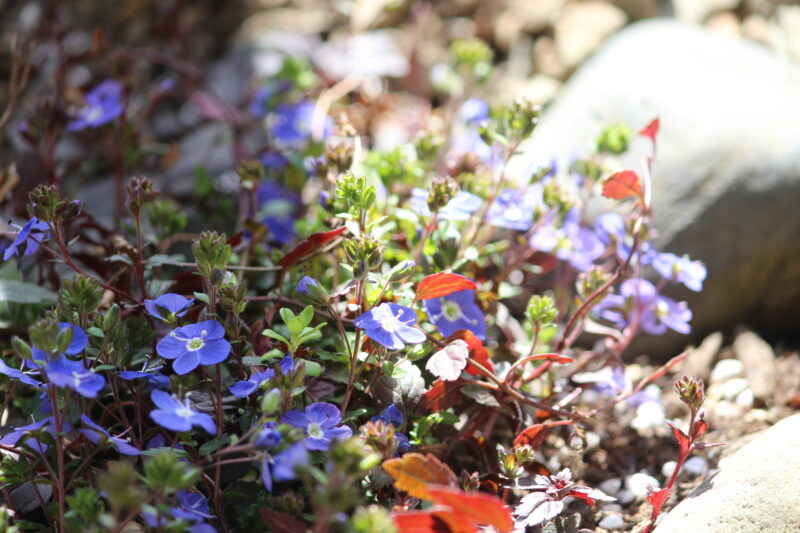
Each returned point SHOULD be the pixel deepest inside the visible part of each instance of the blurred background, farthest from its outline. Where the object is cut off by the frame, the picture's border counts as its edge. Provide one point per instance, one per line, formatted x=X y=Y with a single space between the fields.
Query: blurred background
x=721 y=75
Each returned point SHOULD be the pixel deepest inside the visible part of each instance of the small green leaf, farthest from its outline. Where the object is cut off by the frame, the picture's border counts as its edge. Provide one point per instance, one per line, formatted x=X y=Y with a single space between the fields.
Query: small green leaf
x=286 y=315
x=313 y=368
x=203 y=297
x=95 y=332
x=24 y=293
x=272 y=334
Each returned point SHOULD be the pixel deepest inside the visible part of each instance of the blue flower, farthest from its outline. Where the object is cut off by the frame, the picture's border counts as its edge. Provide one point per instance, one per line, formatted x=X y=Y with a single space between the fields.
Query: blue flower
x=268 y=437
x=30 y=235
x=243 y=389
x=203 y=343
x=18 y=375
x=459 y=208
x=23 y=434
x=303 y=285
x=277 y=211
x=572 y=241
x=103 y=104
x=392 y=415
x=474 y=110
x=260 y=102
x=283 y=466
x=514 y=209
x=320 y=421
x=193 y=506
x=681 y=269
x=63 y=372
x=175 y=415
x=291 y=123
x=168 y=306
x=391 y=325
x=457 y=311
x=156 y=381
x=96 y=434
x=640 y=303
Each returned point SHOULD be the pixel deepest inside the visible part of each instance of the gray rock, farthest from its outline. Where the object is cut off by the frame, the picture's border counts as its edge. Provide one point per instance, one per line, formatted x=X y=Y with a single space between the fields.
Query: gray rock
x=754 y=490
x=25 y=499
x=726 y=182
x=758 y=361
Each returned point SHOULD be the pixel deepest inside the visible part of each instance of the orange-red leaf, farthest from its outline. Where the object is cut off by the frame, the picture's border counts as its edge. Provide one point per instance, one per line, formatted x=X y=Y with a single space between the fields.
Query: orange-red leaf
x=554 y=357
x=622 y=185
x=419 y=522
x=658 y=498
x=532 y=434
x=443 y=395
x=311 y=244
x=477 y=352
x=480 y=508
x=442 y=284
x=651 y=130
x=414 y=473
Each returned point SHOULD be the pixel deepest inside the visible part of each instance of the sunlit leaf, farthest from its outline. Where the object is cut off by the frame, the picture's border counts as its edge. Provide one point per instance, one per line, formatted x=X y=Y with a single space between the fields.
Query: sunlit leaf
x=442 y=284
x=414 y=472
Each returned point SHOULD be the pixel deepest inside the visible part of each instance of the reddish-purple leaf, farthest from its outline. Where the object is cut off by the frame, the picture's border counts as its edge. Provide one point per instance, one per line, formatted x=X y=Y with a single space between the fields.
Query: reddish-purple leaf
x=281 y=522
x=442 y=284
x=554 y=357
x=311 y=244
x=443 y=395
x=621 y=185
x=480 y=508
x=657 y=499
x=682 y=439
x=651 y=130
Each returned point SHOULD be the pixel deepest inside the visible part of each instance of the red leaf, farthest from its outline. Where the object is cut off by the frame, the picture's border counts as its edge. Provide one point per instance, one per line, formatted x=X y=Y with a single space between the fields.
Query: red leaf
x=443 y=395
x=479 y=507
x=554 y=357
x=531 y=434
x=442 y=284
x=657 y=499
x=700 y=427
x=622 y=185
x=682 y=439
x=282 y=523
x=311 y=244
x=414 y=473
x=477 y=352
x=651 y=130
x=419 y=522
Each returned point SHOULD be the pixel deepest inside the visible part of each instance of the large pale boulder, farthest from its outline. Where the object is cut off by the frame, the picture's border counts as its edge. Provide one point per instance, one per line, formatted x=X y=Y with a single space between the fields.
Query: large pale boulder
x=727 y=177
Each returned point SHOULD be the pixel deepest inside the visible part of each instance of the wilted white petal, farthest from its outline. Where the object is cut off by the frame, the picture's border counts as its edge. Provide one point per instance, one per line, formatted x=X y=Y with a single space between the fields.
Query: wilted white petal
x=447 y=363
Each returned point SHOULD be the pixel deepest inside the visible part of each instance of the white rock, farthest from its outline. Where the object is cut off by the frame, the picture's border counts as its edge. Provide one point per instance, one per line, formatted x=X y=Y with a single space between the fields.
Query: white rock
x=731 y=388
x=583 y=26
x=745 y=398
x=668 y=468
x=611 y=486
x=727 y=369
x=699 y=10
x=640 y=484
x=648 y=415
x=696 y=466
x=612 y=521
x=726 y=409
x=625 y=497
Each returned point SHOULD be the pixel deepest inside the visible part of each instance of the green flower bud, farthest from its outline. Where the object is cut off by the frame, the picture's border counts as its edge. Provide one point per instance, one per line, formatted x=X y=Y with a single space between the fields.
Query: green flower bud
x=541 y=309
x=212 y=252
x=614 y=139
x=250 y=174
x=271 y=401
x=691 y=391
x=44 y=201
x=442 y=191
x=21 y=348
x=371 y=518
x=140 y=192
x=80 y=295
x=401 y=271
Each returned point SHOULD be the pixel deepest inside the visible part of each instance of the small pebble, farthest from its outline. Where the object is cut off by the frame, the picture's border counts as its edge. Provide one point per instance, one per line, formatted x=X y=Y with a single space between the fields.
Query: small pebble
x=667 y=469
x=746 y=398
x=612 y=508
x=696 y=466
x=625 y=497
x=726 y=369
x=612 y=521
x=733 y=387
x=640 y=484
x=592 y=439
x=611 y=486
x=726 y=409
x=648 y=415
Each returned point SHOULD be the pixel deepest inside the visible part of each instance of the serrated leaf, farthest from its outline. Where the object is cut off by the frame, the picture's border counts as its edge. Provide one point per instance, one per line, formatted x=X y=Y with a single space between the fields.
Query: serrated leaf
x=25 y=293
x=442 y=284
x=414 y=472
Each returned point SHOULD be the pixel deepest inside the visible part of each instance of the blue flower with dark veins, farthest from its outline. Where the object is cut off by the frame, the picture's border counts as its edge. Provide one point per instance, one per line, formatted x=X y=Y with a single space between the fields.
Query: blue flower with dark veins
x=63 y=372
x=168 y=306
x=194 y=345
x=244 y=388
x=177 y=415
x=277 y=210
x=284 y=465
x=268 y=437
x=24 y=434
x=457 y=311
x=291 y=123
x=98 y=435
x=320 y=421
x=391 y=325
x=516 y=209
x=30 y=236
x=103 y=104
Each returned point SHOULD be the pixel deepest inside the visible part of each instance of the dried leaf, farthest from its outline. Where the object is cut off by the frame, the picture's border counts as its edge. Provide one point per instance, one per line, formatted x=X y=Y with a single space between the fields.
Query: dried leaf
x=414 y=473
x=442 y=284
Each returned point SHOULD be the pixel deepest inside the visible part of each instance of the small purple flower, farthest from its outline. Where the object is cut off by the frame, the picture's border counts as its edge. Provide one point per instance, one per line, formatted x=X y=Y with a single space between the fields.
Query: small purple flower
x=459 y=208
x=274 y=161
x=103 y=104
x=457 y=311
x=63 y=372
x=277 y=210
x=175 y=415
x=154 y=380
x=193 y=506
x=572 y=241
x=284 y=465
x=19 y=375
x=23 y=435
x=392 y=415
x=98 y=435
x=319 y=421
x=640 y=301
x=268 y=437
x=244 y=388
x=261 y=103
x=391 y=325
x=193 y=345
x=515 y=209
x=303 y=285
x=168 y=306
x=30 y=236
x=474 y=110
x=291 y=123
x=681 y=269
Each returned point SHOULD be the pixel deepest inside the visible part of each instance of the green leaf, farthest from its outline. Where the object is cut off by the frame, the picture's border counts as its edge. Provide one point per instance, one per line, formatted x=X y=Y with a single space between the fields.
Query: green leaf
x=203 y=297
x=286 y=315
x=307 y=315
x=24 y=293
x=295 y=328
x=272 y=334
x=313 y=368
x=95 y=332
x=213 y=445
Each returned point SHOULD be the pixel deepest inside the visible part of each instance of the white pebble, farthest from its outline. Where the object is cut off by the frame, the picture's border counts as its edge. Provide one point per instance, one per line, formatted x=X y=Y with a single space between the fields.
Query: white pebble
x=612 y=521
x=625 y=497
x=667 y=469
x=648 y=415
x=745 y=398
x=640 y=484
x=592 y=439
x=696 y=466
x=726 y=369
x=731 y=388
x=611 y=486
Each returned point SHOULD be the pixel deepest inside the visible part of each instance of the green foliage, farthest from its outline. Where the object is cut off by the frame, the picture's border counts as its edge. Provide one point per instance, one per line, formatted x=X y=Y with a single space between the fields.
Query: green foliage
x=166 y=474
x=299 y=328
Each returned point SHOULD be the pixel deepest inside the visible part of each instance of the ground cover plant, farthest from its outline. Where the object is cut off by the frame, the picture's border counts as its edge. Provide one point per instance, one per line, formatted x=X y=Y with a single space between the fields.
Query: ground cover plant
x=357 y=339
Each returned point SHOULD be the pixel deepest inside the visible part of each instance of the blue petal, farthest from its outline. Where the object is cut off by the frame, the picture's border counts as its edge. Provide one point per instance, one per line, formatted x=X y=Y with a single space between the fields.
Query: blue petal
x=204 y=421
x=169 y=420
x=214 y=351
x=164 y=401
x=266 y=478
x=295 y=418
x=243 y=389
x=170 y=348
x=411 y=335
x=186 y=363
x=322 y=412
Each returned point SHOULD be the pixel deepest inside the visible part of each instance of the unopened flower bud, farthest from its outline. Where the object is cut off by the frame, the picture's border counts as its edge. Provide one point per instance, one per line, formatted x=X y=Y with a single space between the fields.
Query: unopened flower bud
x=691 y=391
x=402 y=270
x=312 y=291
